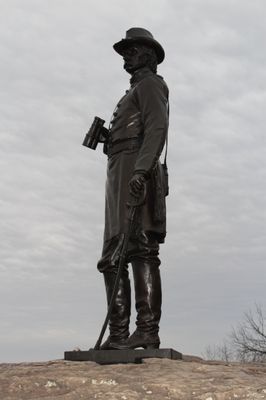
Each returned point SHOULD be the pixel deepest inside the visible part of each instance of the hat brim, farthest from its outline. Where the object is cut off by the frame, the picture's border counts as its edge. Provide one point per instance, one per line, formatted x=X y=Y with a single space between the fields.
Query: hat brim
x=125 y=43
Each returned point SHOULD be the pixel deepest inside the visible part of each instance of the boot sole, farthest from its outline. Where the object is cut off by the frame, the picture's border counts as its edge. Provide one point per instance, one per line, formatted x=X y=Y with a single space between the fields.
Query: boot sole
x=151 y=346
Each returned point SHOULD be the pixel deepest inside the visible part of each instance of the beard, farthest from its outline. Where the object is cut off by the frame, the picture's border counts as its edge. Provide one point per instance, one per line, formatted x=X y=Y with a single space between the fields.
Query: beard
x=132 y=66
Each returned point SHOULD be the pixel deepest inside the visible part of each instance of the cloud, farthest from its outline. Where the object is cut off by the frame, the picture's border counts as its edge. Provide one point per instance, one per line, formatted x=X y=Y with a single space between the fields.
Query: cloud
x=58 y=70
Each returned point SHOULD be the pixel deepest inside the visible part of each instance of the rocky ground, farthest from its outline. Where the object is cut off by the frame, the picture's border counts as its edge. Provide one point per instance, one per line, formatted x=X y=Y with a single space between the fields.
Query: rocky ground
x=154 y=379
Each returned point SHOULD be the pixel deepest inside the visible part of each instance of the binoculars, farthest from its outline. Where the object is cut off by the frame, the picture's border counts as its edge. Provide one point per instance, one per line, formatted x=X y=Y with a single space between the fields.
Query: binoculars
x=96 y=134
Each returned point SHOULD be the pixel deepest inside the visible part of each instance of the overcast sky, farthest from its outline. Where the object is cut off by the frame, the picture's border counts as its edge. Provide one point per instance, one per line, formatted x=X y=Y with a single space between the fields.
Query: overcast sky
x=57 y=71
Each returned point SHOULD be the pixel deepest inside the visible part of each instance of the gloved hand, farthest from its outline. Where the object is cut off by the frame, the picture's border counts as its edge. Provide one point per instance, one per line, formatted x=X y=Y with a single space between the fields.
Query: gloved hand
x=137 y=184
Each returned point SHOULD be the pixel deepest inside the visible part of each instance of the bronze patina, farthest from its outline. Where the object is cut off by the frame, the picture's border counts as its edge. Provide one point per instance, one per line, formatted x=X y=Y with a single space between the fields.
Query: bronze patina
x=134 y=143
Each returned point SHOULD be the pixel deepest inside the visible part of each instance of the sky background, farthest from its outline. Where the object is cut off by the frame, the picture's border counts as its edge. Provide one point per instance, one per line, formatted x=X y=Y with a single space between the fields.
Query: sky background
x=57 y=71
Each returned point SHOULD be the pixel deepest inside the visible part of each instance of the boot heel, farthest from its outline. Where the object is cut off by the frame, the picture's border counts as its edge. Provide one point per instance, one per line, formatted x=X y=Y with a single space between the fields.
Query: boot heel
x=152 y=346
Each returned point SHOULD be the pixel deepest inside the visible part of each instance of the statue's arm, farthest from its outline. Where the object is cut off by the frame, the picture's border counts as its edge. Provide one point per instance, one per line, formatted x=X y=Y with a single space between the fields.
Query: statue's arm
x=152 y=98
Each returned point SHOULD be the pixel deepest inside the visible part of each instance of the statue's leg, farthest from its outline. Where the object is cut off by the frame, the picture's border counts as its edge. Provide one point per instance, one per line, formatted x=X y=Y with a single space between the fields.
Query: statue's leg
x=120 y=315
x=148 y=294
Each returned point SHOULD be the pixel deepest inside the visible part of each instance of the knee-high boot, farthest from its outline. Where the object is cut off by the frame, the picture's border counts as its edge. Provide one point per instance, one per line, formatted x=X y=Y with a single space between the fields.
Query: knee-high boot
x=120 y=316
x=148 y=296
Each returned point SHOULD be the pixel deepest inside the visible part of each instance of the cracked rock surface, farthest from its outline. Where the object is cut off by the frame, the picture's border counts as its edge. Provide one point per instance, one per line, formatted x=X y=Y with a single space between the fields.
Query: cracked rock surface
x=154 y=379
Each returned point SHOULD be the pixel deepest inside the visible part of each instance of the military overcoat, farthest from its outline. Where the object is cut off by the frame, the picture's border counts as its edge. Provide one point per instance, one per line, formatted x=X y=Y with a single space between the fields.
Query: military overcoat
x=137 y=135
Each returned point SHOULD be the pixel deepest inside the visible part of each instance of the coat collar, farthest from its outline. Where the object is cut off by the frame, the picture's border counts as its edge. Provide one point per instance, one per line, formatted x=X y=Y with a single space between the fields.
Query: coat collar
x=139 y=75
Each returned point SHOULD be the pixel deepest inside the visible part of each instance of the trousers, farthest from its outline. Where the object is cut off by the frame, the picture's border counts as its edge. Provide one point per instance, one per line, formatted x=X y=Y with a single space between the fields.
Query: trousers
x=143 y=254
x=142 y=246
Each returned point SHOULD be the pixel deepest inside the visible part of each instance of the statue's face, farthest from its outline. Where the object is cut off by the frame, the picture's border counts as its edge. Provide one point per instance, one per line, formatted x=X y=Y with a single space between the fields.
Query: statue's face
x=133 y=58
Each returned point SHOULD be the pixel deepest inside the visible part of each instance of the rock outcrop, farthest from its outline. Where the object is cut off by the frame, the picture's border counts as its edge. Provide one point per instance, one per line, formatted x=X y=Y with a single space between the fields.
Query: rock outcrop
x=154 y=379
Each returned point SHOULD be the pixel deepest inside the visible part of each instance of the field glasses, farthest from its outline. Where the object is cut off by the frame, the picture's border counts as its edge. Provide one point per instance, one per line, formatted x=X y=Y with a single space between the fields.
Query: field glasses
x=96 y=134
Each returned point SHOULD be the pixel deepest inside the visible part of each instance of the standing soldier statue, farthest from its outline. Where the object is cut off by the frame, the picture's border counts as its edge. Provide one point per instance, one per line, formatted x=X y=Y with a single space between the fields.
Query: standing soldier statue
x=134 y=143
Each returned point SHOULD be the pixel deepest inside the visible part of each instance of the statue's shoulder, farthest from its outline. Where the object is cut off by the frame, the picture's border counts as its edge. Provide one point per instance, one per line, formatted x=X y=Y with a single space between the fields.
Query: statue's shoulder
x=153 y=84
x=152 y=80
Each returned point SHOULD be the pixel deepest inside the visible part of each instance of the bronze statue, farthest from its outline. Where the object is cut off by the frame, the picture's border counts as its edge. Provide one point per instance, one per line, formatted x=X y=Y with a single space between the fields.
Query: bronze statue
x=136 y=137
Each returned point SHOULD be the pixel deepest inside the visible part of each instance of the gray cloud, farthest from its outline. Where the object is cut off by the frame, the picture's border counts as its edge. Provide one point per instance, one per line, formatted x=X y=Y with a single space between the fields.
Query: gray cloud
x=58 y=70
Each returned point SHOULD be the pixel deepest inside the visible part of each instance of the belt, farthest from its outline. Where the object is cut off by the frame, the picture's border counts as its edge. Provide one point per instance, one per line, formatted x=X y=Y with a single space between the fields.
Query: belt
x=126 y=144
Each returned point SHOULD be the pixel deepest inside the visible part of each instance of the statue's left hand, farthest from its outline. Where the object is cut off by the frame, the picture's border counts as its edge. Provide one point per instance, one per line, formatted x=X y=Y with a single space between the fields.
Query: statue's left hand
x=137 y=184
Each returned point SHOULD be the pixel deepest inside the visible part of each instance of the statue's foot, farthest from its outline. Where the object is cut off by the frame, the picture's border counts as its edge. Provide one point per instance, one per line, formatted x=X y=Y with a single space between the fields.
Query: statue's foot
x=112 y=344
x=140 y=339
